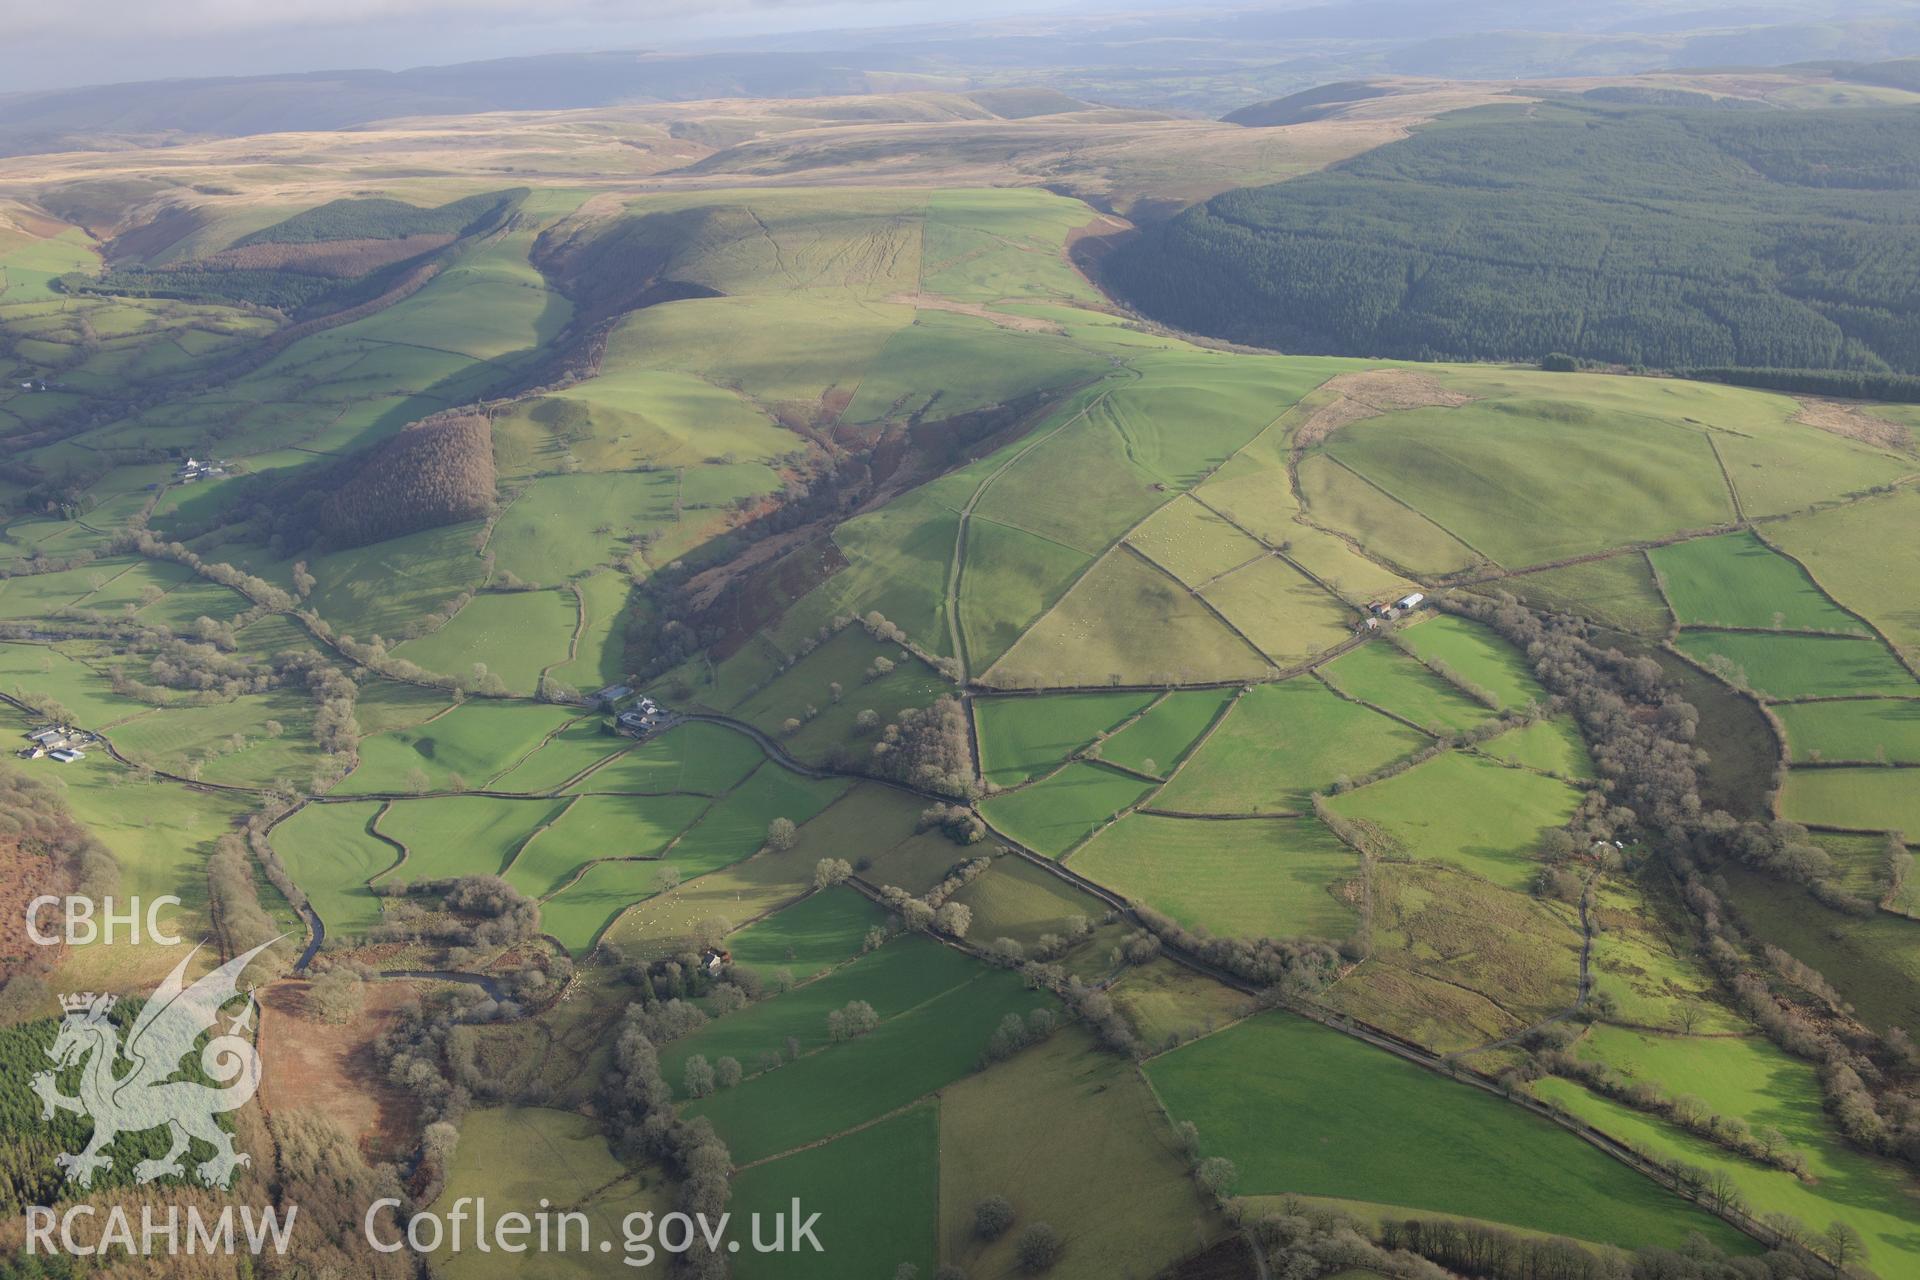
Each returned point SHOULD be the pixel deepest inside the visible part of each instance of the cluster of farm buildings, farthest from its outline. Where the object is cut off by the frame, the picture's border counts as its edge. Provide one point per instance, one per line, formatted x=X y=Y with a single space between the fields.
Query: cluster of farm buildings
x=59 y=742
x=644 y=717
x=199 y=469
x=1379 y=611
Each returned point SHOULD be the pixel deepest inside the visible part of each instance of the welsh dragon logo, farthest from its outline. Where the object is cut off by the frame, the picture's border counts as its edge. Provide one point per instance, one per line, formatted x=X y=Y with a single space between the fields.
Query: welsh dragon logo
x=143 y=1095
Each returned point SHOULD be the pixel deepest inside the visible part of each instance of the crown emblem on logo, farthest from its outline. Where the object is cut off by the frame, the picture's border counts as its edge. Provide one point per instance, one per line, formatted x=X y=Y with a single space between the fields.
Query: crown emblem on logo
x=170 y=1023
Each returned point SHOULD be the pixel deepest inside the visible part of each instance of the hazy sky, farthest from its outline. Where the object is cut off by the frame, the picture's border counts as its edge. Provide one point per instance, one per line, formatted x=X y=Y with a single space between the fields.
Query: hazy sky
x=102 y=41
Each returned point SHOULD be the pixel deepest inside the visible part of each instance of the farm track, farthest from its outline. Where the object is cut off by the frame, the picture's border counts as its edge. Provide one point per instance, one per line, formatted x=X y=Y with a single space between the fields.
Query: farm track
x=957 y=634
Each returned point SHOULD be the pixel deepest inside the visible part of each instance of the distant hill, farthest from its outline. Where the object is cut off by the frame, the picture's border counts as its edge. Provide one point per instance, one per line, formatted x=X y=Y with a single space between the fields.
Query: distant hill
x=78 y=118
x=1649 y=236
x=1900 y=73
x=1307 y=105
x=1170 y=59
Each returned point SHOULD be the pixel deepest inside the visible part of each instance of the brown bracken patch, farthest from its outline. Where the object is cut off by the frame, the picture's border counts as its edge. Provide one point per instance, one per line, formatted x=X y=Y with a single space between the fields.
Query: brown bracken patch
x=24 y=876
x=1852 y=421
x=1359 y=396
x=307 y=1063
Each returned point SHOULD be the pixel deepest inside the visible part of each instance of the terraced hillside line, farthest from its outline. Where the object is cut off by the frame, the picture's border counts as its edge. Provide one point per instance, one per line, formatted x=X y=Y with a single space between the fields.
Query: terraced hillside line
x=1733 y=493
x=1399 y=501
x=1499 y=573
x=573 y=641
x=1205 y=603
x=956 y=634
x=1125 y=541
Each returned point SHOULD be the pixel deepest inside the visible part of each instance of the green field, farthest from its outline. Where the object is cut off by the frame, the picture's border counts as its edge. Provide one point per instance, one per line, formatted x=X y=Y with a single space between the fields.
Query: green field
x=1340 y=498
x=1509 y=477
x=1790 y=666
x=462 y=835
x=1493 y=835
x=592 y=828
x=582 y=911
x=1751 y=1079
x=1011 y=578
x=1283 y=612
x=382 y=588
x=1108 y=1168
x=804 y=692
x=1168 y=636
x=38 y=670
x=737 y=824
x=1869 y=799
x=703 y=758
x=1616 y=592
x=1300 y=1108
x=1265 y=878
x=600 y=657
x=331 y=855
x=562 y=526
x=1854 y=551
x=1477 y=656
x=1161 y=738
x=898 y=977
x=250 y=741
x=1551 y=746
x=1021 y=738
x=1868 y=731
x=519 y=1158
x=877 y=1191
x=1385 y=677
x=1053 y=815
x=906 y=1057
x=1194 y=543
x=812 y=935
x=1281 y=743
x=513 y=635
x=470 y=744
x=946 y=363
x=1737 y=581
x=1019 y=900
x=569 y=753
